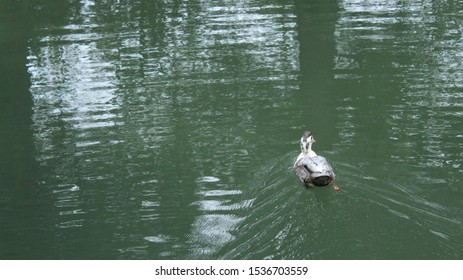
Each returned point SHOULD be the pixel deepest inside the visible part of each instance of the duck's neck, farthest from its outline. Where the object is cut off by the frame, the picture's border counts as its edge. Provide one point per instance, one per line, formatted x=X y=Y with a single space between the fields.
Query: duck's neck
x=309 y=153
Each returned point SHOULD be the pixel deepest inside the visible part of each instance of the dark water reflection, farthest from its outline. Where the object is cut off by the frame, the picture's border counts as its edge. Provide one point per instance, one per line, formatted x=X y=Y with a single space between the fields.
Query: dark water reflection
x=168 y=130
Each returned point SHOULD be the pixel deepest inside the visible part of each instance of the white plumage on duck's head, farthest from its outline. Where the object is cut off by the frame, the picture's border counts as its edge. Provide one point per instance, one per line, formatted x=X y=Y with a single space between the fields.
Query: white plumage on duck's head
x=306 y=142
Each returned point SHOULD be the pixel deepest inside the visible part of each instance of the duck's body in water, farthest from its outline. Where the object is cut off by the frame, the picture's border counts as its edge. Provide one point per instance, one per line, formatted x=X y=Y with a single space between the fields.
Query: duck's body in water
x=312 y=170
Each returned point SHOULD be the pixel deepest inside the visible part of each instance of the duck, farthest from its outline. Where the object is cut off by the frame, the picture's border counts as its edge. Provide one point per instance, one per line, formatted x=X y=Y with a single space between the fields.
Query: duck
x=312 y=169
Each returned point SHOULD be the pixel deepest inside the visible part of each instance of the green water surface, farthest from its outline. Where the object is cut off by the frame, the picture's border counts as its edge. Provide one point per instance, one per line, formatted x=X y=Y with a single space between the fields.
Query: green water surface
x=168 y=129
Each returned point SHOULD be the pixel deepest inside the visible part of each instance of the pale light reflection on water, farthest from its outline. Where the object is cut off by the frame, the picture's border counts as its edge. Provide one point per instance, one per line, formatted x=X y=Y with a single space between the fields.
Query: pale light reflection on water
x=131 y=128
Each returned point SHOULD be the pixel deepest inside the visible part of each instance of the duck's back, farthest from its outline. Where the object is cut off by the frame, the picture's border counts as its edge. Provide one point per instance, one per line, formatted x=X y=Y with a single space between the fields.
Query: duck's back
x=314 y=170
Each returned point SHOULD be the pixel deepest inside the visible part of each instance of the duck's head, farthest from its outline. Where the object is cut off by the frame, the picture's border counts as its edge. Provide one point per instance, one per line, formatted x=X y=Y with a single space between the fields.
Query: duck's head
x=307 y=140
